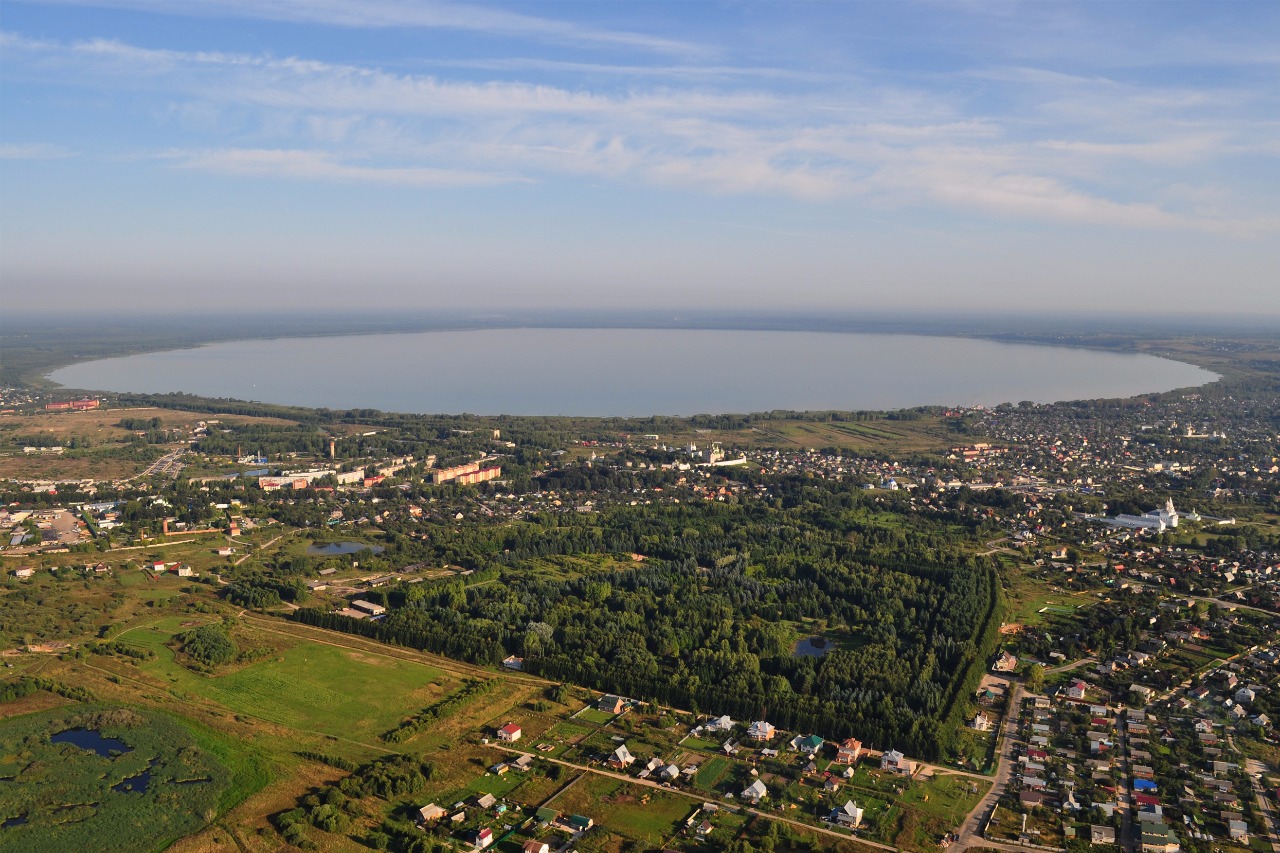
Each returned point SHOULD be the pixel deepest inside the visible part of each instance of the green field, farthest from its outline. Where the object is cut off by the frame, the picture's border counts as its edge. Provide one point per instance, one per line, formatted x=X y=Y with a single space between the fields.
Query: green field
x=595 y=715
x=310 y=687
x=712 y=772
x=642 y=813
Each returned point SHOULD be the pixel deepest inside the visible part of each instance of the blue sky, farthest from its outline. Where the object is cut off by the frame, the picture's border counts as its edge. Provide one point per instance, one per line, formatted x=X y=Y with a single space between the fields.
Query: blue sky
x=940 y=156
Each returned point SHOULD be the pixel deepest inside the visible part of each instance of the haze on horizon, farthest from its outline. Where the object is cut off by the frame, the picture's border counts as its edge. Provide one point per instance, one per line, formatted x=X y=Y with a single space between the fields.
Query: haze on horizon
x=268 y=155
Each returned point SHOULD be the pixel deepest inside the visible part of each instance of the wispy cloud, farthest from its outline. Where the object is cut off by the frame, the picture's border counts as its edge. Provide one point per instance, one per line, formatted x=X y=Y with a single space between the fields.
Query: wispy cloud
x=381 y=14
x=320 y=165
x=1067 y=158
x=34 y=151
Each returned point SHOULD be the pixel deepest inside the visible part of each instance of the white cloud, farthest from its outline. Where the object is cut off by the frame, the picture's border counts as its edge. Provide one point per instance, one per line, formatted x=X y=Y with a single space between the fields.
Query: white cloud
x=381 y=14
x=319 y=165
x=1069 y=159
x=34 y=151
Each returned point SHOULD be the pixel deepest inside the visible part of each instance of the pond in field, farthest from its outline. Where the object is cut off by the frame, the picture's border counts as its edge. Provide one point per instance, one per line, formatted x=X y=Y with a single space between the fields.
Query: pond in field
x=812 y=647
x=136 y=784
x=632 y=372
x=93 y=741
x=335 y=549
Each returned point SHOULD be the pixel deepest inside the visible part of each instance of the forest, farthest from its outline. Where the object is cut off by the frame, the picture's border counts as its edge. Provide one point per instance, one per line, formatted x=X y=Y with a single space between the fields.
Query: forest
x=709 y=618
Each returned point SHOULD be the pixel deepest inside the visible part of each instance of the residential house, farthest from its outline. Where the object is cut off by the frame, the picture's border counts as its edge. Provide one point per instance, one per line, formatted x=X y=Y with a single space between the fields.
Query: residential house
x=1005 y=663
x=534 y=846
x=1157 y=837
x=761 y=730
x=621 y=758
x=509 y=733
x=430 y=812
x=896 y=762
x=722 y=724
x=755 y=792
x=612 y=704
x=1102 y=834
x=849 y=815
x=848 y=751
x=808 y=745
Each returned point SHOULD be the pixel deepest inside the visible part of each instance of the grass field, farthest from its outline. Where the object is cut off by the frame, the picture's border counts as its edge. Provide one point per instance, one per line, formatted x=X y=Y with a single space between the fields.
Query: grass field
x=309 y=686
x=595 y=715
x=712 y=773
x=1033 y=601
x=647 y=815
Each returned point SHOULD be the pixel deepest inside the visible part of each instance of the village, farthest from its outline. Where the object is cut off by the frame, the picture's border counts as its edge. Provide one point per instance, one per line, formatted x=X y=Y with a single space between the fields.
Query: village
x=1129 y=701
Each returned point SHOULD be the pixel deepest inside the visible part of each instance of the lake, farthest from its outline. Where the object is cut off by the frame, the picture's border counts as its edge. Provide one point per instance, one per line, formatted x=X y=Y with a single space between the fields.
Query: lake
x=633 y=372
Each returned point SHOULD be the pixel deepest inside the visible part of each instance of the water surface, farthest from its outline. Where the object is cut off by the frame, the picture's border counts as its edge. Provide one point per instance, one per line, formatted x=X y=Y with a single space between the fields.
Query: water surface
x=92 y=741
x=334 y=549
x=630 y=372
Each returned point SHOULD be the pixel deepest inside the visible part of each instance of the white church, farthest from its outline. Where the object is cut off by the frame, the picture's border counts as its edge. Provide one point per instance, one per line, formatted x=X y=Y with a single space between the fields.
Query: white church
x=1157 y=519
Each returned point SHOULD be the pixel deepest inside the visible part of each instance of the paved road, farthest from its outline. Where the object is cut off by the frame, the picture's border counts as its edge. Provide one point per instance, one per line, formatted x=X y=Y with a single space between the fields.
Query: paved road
x=970 y=831
x=1255 y=768
x=1130 y=805
x=168 y=464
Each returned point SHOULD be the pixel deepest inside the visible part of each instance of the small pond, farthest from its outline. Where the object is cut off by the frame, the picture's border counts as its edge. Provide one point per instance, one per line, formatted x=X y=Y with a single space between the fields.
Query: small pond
x=136 y=784
x=92 y=741
x=334 y=549
x=14 y=821
x=812 y=647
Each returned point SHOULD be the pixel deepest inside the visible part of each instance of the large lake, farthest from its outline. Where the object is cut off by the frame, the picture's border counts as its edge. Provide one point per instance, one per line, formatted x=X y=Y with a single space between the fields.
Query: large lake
x=633 y=372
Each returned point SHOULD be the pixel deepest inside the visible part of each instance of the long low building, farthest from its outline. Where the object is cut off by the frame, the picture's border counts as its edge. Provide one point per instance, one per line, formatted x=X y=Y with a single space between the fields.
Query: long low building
x=466 y=474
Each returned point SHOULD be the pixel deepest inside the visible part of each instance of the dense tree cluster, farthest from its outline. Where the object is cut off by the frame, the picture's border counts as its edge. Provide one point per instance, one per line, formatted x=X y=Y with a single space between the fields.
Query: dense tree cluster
x=709 y=620
x=209 y=644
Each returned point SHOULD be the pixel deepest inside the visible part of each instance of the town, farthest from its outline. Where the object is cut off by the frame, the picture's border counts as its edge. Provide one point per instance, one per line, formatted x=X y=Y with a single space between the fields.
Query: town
x=672 y=634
